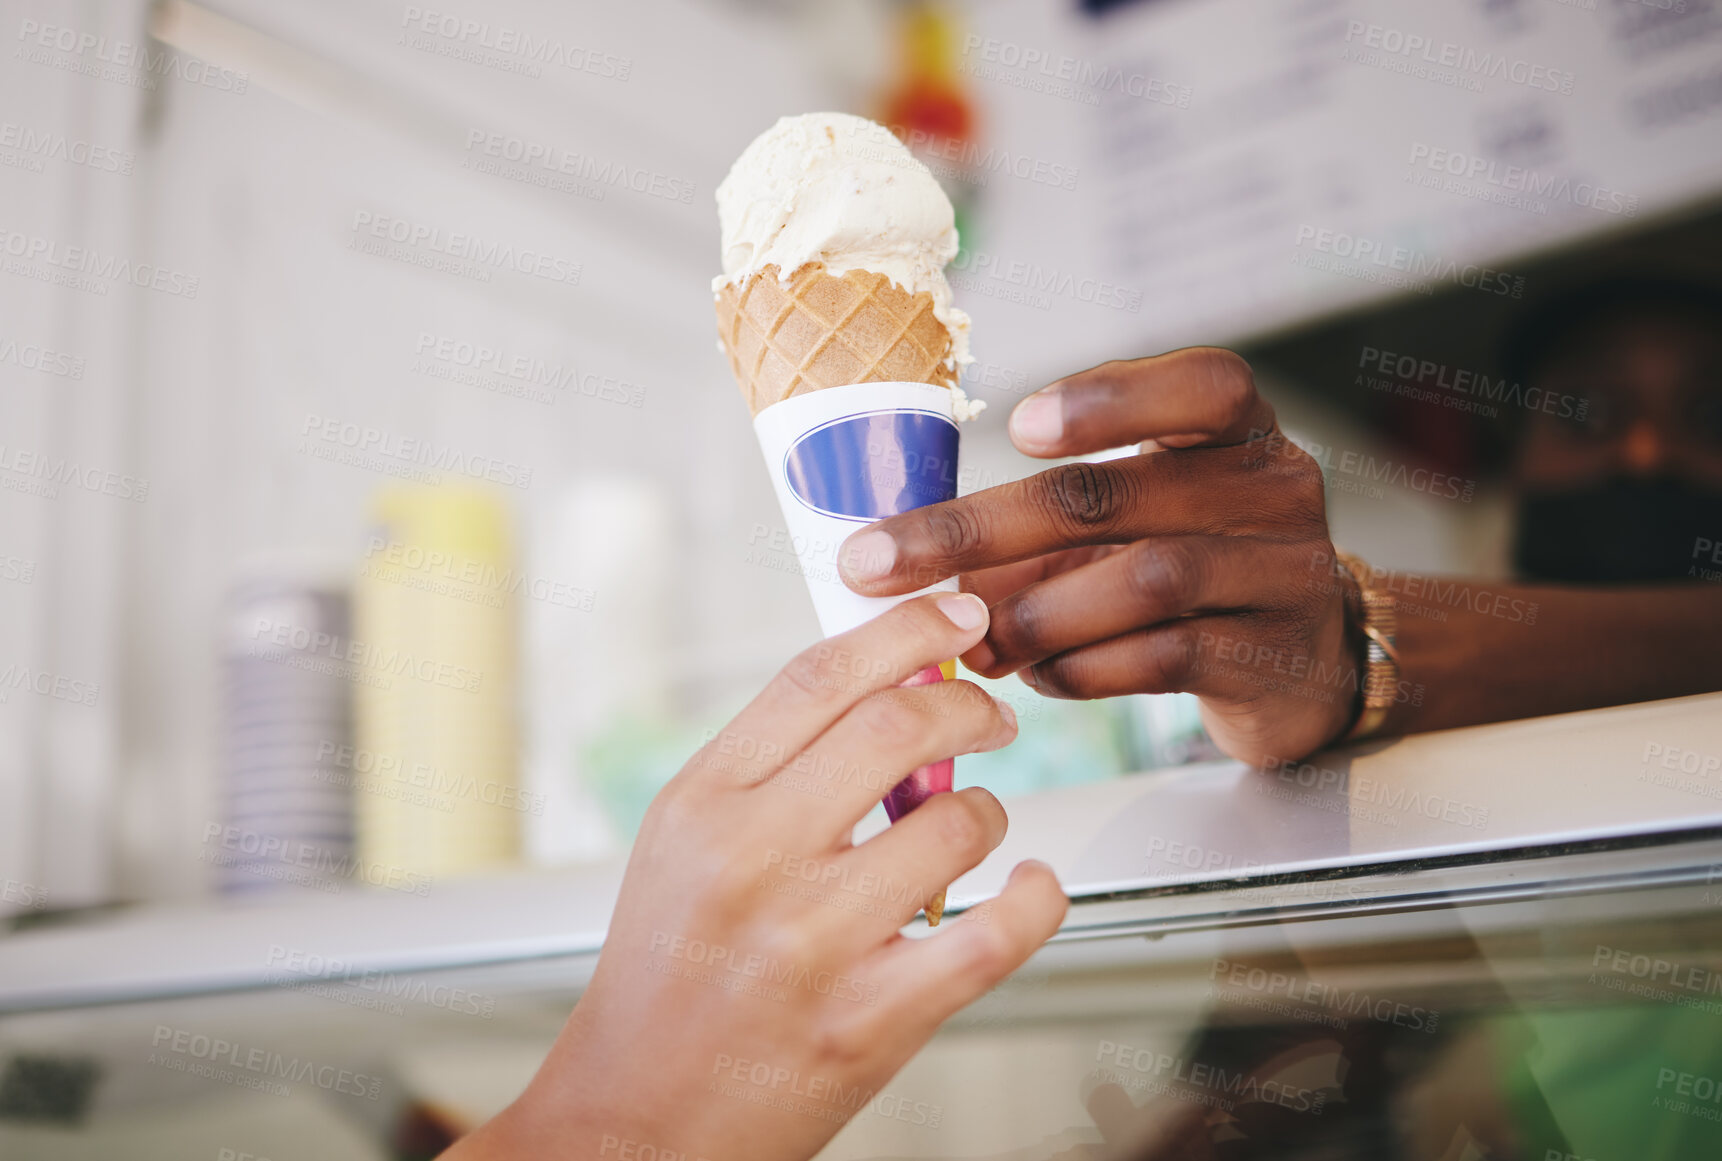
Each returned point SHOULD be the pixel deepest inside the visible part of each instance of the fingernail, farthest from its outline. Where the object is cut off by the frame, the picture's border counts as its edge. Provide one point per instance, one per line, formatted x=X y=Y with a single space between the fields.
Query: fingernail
x=869 y=556
x=964 y=610
x=1039 y=419
x=1006 y=712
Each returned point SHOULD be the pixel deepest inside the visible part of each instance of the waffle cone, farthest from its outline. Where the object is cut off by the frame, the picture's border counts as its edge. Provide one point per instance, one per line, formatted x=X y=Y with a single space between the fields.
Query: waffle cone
x=823 y=330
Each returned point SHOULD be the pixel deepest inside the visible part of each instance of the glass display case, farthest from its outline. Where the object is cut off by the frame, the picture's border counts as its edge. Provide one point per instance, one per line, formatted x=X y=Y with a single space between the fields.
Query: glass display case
x=1499 y=942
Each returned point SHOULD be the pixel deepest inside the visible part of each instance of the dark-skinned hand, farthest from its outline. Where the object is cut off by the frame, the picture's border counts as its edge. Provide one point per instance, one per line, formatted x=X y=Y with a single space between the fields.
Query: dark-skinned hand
x=1202 y=564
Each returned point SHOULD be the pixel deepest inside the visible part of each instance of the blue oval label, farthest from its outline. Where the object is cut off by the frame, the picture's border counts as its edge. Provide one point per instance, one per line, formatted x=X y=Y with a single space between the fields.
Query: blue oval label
x=870 y=466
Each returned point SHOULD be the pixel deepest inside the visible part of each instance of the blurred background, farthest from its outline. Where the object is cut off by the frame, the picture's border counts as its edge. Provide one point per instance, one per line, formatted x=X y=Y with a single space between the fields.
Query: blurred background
x=377 y=511
x=369 y=475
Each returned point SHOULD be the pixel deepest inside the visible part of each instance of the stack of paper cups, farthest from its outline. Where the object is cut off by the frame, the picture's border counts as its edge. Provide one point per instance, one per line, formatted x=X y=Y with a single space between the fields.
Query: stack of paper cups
x=285 y=719
x=841 y=458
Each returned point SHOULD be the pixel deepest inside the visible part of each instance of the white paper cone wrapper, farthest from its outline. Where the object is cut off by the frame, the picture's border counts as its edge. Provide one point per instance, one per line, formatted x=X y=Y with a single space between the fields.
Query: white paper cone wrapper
x=844 y=457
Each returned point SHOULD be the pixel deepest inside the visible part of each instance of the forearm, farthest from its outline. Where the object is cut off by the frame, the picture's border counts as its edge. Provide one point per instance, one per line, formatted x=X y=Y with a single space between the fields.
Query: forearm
x=1472 y=652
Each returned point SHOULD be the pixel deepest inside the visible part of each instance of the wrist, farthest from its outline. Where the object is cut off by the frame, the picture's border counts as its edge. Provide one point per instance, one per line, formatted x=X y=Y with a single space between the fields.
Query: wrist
x=536 y=1125
x=556 y=1116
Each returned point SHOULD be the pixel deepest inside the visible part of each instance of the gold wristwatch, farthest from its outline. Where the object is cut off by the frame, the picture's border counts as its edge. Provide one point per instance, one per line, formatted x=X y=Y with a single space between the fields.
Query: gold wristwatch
x=1380 y=627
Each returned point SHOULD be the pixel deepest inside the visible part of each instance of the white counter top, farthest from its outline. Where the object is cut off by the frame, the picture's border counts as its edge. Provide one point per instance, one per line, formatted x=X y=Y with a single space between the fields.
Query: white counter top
x=1641 y=776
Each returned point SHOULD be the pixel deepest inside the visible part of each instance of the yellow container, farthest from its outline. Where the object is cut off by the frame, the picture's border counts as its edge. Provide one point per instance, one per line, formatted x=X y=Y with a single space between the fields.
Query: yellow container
x=435 y=709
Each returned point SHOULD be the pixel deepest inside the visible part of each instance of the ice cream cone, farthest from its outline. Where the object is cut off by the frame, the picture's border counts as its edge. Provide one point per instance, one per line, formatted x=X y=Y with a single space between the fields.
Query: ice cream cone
x=817 y=330
x=837 y=320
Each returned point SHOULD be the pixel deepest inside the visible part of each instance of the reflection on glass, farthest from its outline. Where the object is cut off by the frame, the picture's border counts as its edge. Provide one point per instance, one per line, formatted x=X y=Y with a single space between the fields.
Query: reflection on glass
x=1565 y=1026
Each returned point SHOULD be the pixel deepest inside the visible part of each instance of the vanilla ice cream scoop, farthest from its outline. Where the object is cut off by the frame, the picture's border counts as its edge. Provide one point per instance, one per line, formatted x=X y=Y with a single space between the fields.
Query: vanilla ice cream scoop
x=843 y=191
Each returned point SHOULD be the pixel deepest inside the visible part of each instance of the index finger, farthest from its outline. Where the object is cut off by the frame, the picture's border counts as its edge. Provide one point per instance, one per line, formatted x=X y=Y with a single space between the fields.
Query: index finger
x=1195 y=397
x=821 y=684
x=1247 y=489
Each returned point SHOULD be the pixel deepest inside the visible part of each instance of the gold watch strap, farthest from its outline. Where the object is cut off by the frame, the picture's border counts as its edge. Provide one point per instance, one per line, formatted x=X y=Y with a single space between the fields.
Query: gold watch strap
x=1380 y=677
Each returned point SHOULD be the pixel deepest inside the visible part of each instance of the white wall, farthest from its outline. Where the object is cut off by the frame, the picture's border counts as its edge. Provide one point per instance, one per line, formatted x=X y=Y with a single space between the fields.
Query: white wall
x=256 y=193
